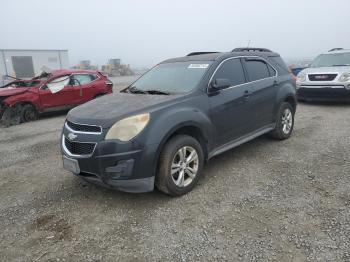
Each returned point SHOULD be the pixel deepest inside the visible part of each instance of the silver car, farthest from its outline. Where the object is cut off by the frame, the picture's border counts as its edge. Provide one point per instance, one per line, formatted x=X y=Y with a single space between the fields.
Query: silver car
x=327 y=79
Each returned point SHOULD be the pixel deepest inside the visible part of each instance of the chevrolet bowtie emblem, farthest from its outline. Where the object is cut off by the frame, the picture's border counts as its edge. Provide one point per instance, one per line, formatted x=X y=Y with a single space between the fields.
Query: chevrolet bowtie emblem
x=72 y=136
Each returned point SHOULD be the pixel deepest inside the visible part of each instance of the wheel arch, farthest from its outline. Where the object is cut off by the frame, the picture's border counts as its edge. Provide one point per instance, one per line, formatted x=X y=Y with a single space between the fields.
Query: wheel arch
x=292 y=101
x=22 y=99
x=23 y=103
x=187 y=128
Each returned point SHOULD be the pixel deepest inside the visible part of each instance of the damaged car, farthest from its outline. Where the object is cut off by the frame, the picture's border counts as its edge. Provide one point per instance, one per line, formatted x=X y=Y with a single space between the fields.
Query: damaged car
x=23 y=100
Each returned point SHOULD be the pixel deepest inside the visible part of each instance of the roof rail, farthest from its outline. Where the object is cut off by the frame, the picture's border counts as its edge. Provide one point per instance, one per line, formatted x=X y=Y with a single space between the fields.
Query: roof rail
x=250 y=49
x=201 y=53
x=336 y=49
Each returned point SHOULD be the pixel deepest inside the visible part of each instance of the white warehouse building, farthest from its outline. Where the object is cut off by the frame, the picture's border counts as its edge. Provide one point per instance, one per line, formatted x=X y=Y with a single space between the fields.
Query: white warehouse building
x=22 y=63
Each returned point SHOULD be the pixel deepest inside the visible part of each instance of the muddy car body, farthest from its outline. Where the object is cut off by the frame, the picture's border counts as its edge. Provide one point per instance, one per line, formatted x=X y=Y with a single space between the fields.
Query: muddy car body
x=23 y=100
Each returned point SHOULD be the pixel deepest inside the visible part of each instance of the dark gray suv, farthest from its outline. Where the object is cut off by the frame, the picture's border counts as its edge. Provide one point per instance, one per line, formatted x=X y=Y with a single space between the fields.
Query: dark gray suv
x=163 y=128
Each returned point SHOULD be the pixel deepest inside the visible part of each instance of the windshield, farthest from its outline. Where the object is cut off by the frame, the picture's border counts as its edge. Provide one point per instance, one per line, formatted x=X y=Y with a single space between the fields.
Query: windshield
x=43 y=76
x=328 y=60
x=17 y=84
x=171 y=78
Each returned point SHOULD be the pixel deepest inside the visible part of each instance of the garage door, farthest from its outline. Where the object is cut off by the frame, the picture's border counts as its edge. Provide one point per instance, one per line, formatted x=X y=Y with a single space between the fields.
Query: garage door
x=23 y=66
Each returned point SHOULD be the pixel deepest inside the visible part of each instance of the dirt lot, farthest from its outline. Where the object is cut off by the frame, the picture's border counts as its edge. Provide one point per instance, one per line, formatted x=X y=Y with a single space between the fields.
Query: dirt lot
x=266 y=200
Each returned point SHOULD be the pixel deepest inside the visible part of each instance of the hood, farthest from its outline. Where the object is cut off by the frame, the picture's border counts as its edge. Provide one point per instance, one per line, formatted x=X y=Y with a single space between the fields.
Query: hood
x=324 y=70
x=107 y=110
x=10 y=91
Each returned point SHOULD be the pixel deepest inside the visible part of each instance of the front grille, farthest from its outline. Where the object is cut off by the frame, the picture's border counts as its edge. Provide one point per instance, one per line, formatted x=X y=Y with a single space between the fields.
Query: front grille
x=322 y=77
x=77 y=148
x=84 y=128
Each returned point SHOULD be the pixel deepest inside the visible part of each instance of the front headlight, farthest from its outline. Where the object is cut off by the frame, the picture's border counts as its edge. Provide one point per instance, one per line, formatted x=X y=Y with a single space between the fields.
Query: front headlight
x=127 y=128
x=345 y=77
x=301 y=77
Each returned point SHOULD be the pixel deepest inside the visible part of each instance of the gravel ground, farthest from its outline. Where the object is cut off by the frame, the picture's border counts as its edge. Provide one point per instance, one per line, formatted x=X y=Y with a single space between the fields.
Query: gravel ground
x=265 y=200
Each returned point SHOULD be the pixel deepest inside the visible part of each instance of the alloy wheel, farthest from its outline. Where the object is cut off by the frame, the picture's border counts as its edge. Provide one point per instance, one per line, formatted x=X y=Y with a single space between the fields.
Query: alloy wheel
x=287 y=121
x=184 y=166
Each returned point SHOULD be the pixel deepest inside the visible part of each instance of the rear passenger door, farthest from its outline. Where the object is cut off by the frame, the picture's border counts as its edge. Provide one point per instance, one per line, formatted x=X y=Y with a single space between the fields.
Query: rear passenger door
x=263 y=81
x=230 y=107
x=83 y=85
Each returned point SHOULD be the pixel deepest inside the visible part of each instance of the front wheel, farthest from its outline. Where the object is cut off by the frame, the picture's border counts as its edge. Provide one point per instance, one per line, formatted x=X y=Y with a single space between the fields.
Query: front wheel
x=29 y=113
x=11 y=116
x=284 y=122
x=180 y=165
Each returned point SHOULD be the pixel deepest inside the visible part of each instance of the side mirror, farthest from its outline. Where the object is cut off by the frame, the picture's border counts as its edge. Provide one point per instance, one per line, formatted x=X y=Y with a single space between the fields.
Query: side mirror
x=220 y=83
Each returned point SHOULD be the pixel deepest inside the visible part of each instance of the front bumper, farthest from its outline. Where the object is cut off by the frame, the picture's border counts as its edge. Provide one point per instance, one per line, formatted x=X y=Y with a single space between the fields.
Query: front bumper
x=128 y=167
x=323 y=93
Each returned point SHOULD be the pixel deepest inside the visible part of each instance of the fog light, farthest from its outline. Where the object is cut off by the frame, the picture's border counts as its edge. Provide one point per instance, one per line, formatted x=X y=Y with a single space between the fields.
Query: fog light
x=122 y=169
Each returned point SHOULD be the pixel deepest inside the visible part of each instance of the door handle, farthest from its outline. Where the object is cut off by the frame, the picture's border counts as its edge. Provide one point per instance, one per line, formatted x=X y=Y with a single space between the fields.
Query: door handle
x=275 y=83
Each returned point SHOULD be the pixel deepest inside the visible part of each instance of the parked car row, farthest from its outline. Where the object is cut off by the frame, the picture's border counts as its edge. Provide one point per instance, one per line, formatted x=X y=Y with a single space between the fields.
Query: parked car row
x=160 y=130
x=23 y=100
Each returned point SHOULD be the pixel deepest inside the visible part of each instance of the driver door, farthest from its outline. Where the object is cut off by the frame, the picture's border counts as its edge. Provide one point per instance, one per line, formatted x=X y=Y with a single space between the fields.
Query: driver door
x=57 y=93
x=230 y=108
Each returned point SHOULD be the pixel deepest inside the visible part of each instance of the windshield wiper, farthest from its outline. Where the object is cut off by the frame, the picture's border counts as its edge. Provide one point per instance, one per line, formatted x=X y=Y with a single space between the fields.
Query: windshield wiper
x=156 y=92
x=342 y=65
x=135 y=90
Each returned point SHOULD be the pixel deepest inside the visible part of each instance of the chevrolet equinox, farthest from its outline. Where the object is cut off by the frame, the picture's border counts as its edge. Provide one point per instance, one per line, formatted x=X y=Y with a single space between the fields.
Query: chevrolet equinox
x=160 y=130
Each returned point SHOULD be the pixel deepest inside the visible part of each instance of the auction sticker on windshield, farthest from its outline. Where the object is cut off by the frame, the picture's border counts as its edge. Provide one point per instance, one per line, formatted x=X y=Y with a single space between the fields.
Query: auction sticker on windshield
x=198 y=66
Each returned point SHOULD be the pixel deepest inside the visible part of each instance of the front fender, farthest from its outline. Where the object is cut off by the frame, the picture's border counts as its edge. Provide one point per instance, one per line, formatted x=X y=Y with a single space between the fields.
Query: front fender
x=27 y=97
x=168 y=122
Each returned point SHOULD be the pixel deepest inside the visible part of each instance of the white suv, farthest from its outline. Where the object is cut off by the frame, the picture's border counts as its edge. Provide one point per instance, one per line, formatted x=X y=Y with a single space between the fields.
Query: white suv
x=327 y=79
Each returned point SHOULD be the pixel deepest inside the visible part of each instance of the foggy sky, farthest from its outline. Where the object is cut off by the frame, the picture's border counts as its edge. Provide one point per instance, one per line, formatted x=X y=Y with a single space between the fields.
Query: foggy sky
x=142 y=33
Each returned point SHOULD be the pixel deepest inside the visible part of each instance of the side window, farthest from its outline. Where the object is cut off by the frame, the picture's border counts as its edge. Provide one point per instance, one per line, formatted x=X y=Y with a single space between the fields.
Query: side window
x=82 y=79
x=257 y=69
x=58 y=84
x=231 y=69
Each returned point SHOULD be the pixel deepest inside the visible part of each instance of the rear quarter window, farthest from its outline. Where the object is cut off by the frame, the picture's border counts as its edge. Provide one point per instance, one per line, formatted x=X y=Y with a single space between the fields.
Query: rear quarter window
x=93 y=77
x=272 y=71
x=279 y=64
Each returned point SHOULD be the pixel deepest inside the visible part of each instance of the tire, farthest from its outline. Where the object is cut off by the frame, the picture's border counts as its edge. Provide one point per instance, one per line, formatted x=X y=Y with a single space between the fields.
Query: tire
x=28 y=113
x=176 y=147
x=284 y=122
x=11 y=116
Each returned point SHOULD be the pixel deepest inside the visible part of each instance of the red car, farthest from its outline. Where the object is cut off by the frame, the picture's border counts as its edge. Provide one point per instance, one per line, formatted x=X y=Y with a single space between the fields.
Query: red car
x=24 y=100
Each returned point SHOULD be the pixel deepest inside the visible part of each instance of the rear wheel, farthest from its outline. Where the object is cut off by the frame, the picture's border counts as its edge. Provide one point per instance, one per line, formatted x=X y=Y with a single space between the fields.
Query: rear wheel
x=284 y=122
x=180 y=165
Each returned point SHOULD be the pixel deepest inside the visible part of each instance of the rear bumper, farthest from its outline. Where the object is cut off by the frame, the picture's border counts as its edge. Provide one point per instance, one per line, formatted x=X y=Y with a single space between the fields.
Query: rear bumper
x=320 y=93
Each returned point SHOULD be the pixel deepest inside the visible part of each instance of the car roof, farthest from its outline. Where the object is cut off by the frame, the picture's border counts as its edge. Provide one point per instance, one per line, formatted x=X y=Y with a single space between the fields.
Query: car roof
x=72 y=71
x=213 y=56
x=336 y=51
